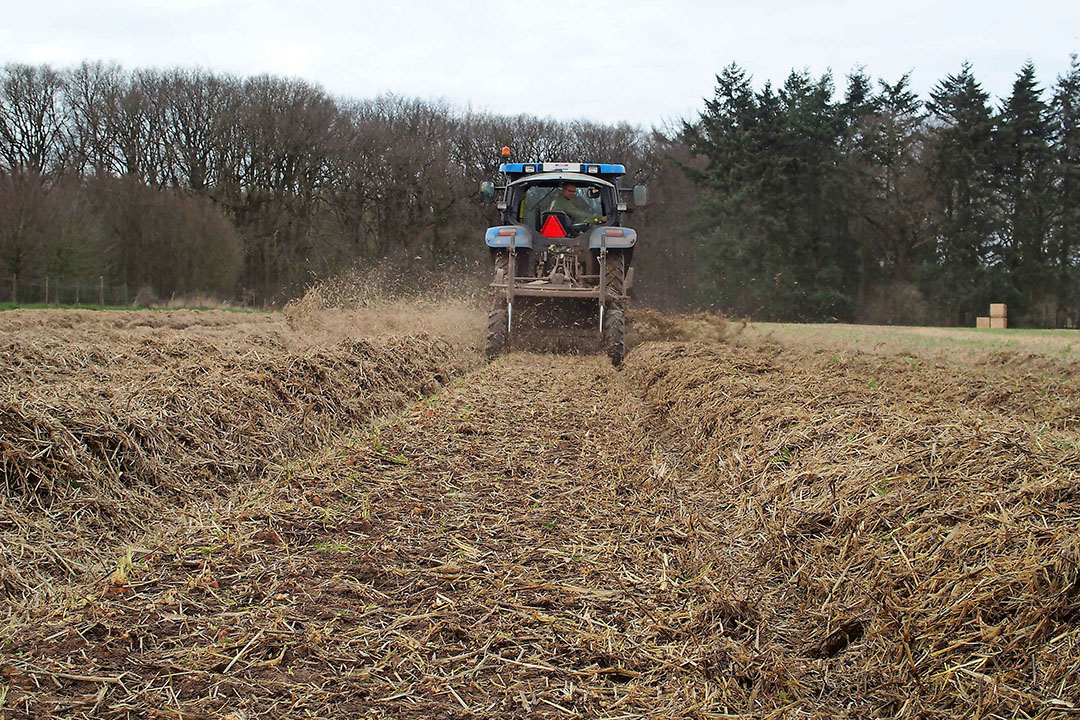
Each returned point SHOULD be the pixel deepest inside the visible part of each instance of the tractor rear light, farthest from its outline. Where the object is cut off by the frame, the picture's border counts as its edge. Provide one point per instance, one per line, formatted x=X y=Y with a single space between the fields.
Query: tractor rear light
x=613 y=232
x=507 y=231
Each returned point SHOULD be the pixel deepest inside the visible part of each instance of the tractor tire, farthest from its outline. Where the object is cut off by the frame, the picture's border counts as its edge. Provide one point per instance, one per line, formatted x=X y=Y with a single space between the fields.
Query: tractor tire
x=616 y=277
x=502 y=262
x=498 y=336
x=614 y=329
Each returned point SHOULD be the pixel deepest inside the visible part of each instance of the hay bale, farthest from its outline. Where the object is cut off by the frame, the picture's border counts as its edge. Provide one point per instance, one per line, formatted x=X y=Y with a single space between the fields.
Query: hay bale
x=998 y=323
x=982 y=322
x=998 y=310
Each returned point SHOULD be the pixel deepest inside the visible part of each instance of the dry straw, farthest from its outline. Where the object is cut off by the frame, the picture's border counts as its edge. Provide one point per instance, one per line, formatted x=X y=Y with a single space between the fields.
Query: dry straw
x=713 y=532
x=905 y=535
x=107 y=425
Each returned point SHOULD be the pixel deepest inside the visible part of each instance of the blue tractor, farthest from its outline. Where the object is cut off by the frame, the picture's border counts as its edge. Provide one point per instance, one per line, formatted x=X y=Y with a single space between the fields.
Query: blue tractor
x=561 y=255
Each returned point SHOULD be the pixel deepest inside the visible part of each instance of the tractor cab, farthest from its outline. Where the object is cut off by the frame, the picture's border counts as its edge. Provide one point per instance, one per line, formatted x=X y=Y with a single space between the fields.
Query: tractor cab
x=561 y=247
x=539 y=202
x=532 y=188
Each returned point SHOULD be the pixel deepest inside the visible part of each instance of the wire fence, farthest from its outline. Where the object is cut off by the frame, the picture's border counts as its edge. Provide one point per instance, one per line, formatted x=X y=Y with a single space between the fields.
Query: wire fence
x=53 y=292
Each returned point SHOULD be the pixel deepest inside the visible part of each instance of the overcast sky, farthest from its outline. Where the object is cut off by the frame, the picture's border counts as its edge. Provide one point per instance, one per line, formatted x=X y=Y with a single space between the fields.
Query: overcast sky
x=645 y=63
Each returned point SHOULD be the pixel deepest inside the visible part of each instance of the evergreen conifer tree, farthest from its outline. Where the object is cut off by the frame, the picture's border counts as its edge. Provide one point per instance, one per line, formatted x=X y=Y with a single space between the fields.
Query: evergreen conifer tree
x=961 y=177
x=1065 y=246
x=892 y=197
x=1025 y=185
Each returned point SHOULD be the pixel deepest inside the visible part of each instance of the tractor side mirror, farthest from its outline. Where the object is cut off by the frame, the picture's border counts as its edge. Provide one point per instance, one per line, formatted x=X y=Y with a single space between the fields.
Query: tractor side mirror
x=487 y=192
x=641 y=195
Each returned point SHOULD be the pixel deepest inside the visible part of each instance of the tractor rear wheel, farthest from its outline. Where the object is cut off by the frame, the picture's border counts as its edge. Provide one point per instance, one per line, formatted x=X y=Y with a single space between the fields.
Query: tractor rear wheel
x=616 y=276
x=615 y=320
x=502 y=262
x=498 y=335
x=614 y=344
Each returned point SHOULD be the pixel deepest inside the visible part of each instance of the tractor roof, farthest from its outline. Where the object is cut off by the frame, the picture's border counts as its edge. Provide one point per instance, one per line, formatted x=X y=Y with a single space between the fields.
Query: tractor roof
x=586 y=168
x=561 y=177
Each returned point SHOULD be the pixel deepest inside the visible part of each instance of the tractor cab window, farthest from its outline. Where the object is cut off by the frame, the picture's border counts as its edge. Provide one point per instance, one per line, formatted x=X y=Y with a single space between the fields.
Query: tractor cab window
x=590 y=198
x=538 y=199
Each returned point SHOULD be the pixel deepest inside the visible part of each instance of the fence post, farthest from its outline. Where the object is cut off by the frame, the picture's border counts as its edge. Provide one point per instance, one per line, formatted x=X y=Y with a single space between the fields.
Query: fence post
x=101 y=290
x=76 y=292
x=46 y=289
x=14 y=289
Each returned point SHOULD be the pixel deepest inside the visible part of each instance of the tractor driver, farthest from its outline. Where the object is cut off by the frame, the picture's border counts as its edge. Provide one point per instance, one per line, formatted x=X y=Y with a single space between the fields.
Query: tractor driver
x=567 y=201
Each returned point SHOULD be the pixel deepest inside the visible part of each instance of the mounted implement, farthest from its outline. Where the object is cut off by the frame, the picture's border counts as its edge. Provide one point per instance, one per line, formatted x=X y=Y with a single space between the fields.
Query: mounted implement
x=561 y=255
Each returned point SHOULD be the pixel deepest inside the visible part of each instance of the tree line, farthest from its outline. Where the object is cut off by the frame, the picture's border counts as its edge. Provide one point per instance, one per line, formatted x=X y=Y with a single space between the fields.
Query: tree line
x=793 y=202
x=189 y=180
x=880 y=206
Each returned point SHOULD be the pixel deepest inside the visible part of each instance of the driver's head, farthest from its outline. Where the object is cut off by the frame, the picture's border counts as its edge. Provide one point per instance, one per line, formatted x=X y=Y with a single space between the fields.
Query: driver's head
x=569 y=190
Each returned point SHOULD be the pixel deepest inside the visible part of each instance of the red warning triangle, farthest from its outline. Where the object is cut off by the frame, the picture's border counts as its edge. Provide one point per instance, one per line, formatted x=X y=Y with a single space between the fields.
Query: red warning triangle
x=552 y=228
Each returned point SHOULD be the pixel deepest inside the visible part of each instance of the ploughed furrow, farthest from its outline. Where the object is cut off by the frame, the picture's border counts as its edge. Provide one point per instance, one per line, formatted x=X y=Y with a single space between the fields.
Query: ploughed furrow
x=517 y=546
x=104 y=433
x=905 y=536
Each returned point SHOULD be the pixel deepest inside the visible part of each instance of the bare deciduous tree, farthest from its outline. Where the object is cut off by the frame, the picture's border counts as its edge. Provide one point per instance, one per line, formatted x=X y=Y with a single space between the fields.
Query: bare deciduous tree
x=32 y=121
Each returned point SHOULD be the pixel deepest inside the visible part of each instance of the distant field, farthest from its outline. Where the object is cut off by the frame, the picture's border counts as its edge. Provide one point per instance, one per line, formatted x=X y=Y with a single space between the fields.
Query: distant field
x=952 y=344
x=118 y=308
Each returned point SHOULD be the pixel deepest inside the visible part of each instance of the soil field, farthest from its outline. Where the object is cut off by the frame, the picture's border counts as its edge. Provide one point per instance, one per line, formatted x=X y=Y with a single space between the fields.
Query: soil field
x=266 y=516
